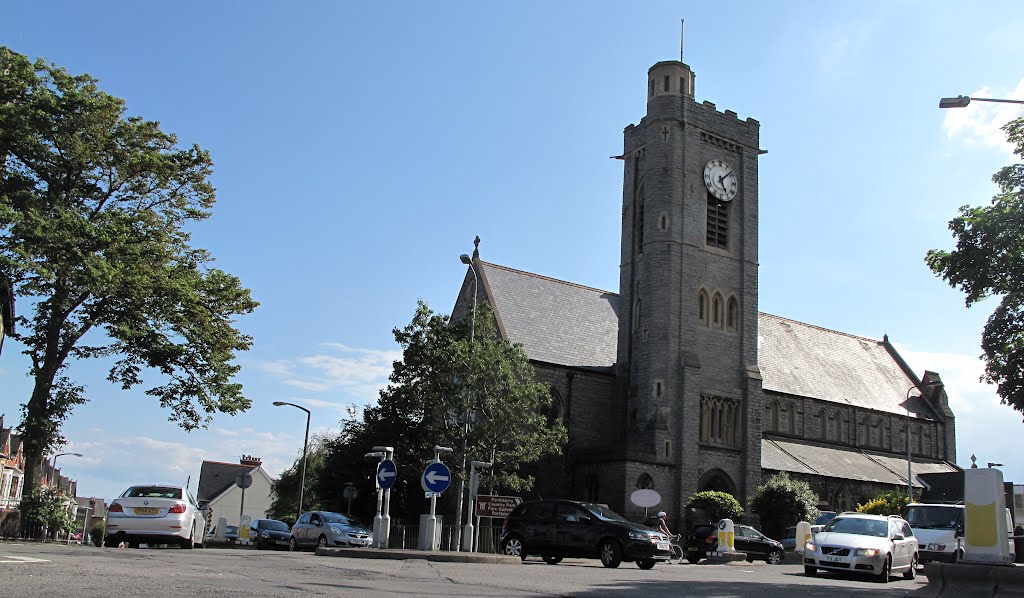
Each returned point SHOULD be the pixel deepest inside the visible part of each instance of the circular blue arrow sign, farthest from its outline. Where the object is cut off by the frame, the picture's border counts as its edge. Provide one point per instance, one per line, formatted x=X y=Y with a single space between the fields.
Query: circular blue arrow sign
x=387 y=473
x=436 y=478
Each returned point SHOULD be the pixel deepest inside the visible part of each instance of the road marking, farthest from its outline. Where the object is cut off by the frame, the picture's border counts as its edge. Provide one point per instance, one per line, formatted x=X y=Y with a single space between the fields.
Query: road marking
x=10 y=558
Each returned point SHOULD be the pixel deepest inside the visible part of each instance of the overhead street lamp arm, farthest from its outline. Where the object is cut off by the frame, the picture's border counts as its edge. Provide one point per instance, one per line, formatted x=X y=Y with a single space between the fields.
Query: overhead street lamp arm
x=963 y=101
x=305 y=448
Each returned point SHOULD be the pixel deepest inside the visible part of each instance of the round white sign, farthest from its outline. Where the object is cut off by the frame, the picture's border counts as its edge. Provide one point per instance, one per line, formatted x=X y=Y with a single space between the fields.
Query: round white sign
x=645 y=498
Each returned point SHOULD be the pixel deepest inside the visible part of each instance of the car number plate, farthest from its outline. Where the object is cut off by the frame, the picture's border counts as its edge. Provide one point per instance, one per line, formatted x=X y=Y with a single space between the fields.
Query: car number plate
x=691 y=549
x=147 y=510
x=831 y=559
x=662 y=545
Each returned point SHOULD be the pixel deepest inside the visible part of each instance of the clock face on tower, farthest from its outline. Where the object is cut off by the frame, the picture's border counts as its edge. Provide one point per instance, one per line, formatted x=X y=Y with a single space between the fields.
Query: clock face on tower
x=720 y=180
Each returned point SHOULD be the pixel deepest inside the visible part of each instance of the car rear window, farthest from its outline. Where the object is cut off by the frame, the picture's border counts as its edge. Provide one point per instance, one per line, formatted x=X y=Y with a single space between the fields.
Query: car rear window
x=273 y=524
x=152 y=492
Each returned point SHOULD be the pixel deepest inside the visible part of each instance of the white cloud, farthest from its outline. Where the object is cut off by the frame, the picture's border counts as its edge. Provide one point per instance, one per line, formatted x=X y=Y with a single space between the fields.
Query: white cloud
x=979 y=123
x=359 y=372
x=839 y=45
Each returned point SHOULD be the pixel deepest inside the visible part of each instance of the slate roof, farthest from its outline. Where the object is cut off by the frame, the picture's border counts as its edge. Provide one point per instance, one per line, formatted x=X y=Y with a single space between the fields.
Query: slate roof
x=842 y=462
x=556 y=321
x=572 y=325
x=808 y=361
x=216 y=477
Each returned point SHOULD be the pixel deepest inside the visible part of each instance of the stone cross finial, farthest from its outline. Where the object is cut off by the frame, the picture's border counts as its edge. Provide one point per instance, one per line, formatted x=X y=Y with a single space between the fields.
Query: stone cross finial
x=974 y=464
x=476 y=248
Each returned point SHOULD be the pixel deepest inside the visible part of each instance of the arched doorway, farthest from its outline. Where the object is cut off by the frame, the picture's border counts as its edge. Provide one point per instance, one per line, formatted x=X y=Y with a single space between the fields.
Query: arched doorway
x=716 y=480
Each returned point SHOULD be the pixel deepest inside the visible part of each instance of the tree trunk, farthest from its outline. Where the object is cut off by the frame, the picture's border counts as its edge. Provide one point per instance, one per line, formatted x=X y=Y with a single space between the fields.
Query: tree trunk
x=36 y=412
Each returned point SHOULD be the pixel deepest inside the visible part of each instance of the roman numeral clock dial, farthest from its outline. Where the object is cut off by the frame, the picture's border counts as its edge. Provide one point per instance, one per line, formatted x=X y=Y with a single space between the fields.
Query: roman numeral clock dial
x=721 y=180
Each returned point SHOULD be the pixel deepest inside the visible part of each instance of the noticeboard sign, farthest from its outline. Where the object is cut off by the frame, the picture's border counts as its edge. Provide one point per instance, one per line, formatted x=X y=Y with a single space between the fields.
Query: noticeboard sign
x=496 y=506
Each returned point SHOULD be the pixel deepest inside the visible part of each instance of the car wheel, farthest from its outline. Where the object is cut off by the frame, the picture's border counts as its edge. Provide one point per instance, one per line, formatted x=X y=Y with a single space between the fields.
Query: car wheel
x=551 y=560
x=259 y=545
x=883 y=575
x=774 y=557
x=750 y=559
x=693 y=557
x=611 y=553
x=810 y=571
x=912 y=572
x=110 y=542
x=190 y=542
x=133 y=543
x=645 y=563
x=513 y=546
x=322 y=542
x=293 y=546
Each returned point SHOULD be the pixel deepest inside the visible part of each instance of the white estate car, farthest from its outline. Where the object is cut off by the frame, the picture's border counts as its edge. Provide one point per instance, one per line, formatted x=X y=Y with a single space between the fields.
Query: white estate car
x=860 y=543
x=155 y=514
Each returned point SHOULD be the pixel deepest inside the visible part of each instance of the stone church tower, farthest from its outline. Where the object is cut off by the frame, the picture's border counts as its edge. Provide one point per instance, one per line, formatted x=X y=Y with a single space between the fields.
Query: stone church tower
x=688 y=383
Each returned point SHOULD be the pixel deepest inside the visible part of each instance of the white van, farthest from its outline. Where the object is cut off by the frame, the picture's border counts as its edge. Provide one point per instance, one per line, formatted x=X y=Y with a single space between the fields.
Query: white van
x=939 y=529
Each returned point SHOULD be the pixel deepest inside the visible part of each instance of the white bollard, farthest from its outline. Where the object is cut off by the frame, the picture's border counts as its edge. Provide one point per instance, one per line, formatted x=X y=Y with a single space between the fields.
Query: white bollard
x=726 y=536
x=803 y=534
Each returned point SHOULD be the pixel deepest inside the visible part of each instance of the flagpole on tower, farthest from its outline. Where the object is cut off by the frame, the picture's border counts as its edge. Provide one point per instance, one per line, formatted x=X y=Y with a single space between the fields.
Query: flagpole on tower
x=681 y=23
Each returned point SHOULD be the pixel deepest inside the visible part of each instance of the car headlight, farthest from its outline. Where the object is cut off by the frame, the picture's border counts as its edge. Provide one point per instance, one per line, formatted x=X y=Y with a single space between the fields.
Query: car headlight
x=264 y=534
x=865 y=552
x=639 y=536
x=939 y=547
x=810 y=547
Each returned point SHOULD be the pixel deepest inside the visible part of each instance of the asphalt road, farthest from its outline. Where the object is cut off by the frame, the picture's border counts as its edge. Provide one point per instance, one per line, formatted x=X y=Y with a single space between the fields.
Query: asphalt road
x=48 y=570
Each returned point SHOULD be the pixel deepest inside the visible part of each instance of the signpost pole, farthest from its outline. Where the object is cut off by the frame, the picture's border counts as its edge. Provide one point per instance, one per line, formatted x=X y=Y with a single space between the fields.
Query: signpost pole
x=434 y=481
x=474 y=483
x=383 y=529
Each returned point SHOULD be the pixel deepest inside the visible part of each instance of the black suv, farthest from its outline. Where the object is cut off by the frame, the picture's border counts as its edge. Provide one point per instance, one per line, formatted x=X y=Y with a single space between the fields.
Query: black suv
x=555 y=529
x=701 y=540
x=704 y=539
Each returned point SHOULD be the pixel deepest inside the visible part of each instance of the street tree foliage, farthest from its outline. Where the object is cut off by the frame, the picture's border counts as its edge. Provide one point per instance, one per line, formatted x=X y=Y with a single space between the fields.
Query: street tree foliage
x=284 y=502
x=47 y=507
x=442 y=376
x=890 y=502
x=716 y=505
x=989 y=262
x=95 y=207
x=782 y=502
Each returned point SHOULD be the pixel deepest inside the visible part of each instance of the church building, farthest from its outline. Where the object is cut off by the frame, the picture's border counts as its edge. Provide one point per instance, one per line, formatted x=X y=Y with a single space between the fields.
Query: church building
x=677 y=382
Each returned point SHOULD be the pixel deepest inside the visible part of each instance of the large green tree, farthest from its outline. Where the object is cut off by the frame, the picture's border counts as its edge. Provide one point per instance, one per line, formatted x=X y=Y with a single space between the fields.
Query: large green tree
x=95 y=207
x=989 y=262
x=441 y=376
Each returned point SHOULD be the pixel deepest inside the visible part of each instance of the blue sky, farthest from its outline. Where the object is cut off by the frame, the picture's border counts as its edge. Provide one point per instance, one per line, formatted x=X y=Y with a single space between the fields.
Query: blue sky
x=359 y=148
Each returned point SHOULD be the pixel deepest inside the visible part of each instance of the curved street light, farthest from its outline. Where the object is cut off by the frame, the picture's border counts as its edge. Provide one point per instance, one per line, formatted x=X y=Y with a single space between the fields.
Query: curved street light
x=465 y=259
x=910 y=464
x=963 y=101
x=54 y=463
x=305 y=446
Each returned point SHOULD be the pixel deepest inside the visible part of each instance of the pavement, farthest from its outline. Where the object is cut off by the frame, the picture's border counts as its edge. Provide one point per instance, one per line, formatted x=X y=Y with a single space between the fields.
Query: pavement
x=438 y=556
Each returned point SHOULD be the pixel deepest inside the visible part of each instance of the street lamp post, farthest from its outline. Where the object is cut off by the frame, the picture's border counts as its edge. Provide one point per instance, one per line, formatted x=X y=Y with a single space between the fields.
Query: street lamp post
x=305 y=447
x=910 y=462
x=465 y=415
x=963 y=101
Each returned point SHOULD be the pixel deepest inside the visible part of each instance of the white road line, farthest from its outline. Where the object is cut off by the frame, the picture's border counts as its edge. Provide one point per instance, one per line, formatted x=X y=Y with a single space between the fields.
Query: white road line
x=10 y=558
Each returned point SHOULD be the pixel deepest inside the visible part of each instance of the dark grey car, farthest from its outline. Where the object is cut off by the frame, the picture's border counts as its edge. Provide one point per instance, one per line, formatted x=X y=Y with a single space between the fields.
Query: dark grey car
x=269 y=533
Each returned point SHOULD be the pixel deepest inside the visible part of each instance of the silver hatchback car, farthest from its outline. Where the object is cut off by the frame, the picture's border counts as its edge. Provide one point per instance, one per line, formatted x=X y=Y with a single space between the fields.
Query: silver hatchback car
x=324 y=528
x=857 y=542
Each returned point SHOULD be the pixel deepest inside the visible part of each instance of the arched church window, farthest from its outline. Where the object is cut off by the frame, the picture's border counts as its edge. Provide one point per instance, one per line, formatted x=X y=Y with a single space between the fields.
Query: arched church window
x=833 y=427
x=639 y=231
x=775 y=416
x=636 y=315
x=821 y=425
x=792 y=418
x=718 y=223
x=875 y=433
x=919 y=433
x=732 y=314
x=716 y=311
x=719 y=420
x=556 y=409
x=644 y=481
x=841 y=500
x=702 y=307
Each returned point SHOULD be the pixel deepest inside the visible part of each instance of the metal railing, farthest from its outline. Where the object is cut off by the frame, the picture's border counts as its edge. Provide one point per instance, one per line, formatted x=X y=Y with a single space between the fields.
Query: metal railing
x=407 y=536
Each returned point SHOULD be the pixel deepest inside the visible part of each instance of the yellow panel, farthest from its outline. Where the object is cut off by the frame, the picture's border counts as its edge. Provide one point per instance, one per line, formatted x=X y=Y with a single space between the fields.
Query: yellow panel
x=981 y=524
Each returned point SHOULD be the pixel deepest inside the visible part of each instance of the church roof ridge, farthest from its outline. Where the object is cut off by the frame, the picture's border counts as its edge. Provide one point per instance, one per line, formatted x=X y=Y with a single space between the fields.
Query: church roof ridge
x=548 y=278
x=822 y=328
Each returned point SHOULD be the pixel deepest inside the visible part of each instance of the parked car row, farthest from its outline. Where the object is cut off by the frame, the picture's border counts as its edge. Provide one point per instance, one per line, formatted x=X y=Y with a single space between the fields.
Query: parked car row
x=159 y=514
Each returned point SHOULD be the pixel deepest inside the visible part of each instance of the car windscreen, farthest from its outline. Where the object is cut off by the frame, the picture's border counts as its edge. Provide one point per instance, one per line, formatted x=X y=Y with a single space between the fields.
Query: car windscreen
x=232 y=529
x=933 y=516
x=152 y=492
x=274 y=525
x=339 y=518
x=859 y=526
x=604 y=512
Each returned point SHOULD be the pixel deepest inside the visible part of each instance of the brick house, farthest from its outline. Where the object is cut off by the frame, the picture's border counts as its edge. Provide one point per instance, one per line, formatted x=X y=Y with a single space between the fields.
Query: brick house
x=677 y=382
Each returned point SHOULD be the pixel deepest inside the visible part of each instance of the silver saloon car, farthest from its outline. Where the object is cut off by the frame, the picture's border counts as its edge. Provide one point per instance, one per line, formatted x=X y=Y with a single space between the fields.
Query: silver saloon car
x=155 y=514
x=861 y=543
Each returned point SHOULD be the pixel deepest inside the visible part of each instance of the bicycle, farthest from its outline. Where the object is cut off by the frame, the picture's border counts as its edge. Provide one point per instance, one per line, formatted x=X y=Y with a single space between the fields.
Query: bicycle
x=675 y=550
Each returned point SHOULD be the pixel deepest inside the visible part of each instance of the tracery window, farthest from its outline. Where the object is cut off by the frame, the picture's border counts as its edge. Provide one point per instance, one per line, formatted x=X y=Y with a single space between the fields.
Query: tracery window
x=732 y=314
x=719 y=420
x=716 y=311
x=644 y=481
x=702 y=307
x=775 y=423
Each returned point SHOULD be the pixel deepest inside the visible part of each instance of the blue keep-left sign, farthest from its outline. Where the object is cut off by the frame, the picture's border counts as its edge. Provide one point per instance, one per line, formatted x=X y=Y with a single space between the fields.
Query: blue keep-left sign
x=387 y=473
x=436 y=478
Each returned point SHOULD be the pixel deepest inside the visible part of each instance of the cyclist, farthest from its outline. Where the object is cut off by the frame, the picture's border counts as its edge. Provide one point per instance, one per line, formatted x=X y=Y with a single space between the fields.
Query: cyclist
x=661 y=525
